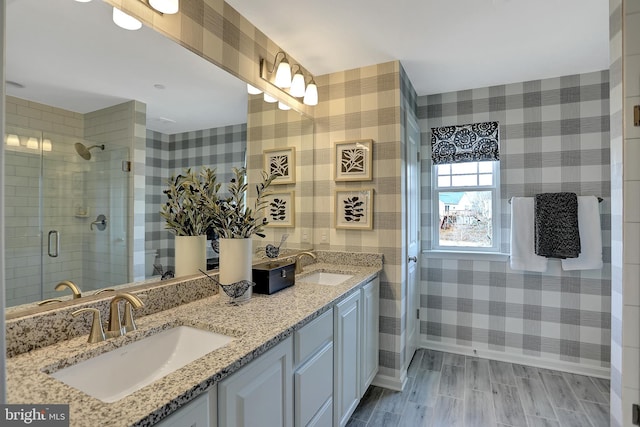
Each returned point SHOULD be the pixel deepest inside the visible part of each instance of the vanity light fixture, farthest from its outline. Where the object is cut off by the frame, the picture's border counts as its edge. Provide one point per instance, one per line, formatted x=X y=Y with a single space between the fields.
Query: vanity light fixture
x=283 y=74
x=169 y=7
x=268 y=98
x=47 y=145
x=125 y=21
x=297 y=84
x=283 y=106
x=12 y=140
x=252 y=90
x=292 y=88
x=32 y=143
x=83 y=1
x=311 y=94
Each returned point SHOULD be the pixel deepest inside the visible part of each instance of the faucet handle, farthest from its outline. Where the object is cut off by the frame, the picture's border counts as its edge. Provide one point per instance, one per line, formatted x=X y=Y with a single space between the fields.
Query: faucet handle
x=97 y=333
x=128 y=320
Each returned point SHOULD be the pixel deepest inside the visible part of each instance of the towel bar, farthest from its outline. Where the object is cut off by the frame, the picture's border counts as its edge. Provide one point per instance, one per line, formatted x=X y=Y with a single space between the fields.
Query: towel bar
x=600 y=199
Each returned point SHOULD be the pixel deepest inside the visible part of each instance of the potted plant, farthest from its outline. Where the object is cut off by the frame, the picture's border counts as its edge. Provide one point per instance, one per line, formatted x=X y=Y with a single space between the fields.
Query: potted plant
x=191 y=197
x=235 y=223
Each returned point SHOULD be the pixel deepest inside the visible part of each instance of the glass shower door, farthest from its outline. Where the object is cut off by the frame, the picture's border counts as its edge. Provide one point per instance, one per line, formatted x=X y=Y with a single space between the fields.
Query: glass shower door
x=86 y=200
x=54 y=197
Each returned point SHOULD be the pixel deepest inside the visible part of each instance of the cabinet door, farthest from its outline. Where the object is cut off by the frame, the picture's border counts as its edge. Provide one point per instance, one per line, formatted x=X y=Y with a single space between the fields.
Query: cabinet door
x=260 y=394
x=346 y=372
x=370 y=333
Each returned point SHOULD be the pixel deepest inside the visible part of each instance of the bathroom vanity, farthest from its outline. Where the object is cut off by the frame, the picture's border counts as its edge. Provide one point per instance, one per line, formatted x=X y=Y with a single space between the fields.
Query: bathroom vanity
x=302 y=356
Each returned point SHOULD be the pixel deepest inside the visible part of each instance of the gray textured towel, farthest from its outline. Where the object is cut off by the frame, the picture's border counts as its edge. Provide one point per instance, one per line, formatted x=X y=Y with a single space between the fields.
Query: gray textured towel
x=556 y=225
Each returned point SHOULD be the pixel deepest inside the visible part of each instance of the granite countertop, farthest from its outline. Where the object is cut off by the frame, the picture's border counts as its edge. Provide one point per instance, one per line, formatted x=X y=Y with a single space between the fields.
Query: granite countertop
x=257 y=326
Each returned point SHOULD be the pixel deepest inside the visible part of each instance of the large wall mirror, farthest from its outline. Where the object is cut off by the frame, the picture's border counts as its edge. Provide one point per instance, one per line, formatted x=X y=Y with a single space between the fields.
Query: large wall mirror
x=85 y=101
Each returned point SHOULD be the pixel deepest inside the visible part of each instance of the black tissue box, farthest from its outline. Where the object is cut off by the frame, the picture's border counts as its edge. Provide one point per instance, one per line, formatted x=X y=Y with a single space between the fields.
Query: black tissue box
x=273 y=276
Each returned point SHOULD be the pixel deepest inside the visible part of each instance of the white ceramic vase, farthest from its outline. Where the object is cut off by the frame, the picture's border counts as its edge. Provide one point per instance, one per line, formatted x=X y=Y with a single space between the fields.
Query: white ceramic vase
x=191 y=254
x=236 y=262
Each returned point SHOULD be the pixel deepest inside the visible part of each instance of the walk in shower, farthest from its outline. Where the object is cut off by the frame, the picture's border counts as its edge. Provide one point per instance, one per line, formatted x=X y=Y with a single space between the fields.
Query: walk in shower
x=66 y=214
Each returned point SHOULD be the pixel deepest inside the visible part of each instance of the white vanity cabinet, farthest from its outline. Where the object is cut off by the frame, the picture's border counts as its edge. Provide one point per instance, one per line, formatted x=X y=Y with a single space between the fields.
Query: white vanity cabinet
x=370 y=333
x=346 y=372
x=261 y=393
x=313 y=379
x=356 y=349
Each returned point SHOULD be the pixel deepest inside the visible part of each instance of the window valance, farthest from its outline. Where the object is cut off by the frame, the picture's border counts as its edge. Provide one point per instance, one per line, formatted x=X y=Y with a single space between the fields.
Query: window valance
x=465 y=143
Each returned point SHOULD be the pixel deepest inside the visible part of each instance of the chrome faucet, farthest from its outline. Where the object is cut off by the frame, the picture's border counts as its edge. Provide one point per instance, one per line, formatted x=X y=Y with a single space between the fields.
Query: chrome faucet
x=115 y=328
x=299 y=268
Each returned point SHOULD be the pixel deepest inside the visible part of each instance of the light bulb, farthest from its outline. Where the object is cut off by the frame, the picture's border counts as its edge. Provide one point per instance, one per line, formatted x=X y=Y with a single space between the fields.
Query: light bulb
x=311 y=94
x=83 y=1
x=32 y=143
x=297 y=85
x=268 y=98
x=47 y=145
x=165 y=6
x=13 y=140
x=125 y=21
x=253 y=90
x=283 y=75
x=283 y=106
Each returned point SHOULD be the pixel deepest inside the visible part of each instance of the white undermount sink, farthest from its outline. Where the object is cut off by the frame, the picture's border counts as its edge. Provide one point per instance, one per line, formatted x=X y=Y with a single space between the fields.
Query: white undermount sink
x=325 y=278
x=120 y=372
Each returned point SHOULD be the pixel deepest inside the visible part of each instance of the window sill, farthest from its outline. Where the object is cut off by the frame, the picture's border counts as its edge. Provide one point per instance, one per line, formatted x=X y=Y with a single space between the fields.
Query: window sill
x=467 y=255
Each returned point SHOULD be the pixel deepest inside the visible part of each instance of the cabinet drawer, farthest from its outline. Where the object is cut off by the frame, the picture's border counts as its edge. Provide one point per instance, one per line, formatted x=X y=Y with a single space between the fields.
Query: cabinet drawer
x=194 y=414
x=312 y=336
x=313 y=384
x=324 y=417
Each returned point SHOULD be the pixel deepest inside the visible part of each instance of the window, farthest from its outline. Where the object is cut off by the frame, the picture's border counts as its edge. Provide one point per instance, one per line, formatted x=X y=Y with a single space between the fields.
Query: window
x=465 y=206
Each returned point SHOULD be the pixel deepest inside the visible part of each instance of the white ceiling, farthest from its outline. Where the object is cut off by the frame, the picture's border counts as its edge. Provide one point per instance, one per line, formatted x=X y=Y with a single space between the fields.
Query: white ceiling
x=71 y=55
x=444 y=45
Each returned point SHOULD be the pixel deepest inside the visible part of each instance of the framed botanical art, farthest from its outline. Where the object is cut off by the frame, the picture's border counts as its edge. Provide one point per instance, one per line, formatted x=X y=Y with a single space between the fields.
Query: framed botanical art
x=281 y=162
x=353 y=160
x=280 y=211
x=354 y=209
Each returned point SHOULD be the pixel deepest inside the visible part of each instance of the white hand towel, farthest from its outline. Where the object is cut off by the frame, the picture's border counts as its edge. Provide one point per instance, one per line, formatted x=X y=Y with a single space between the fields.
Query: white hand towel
x=590 y=236
x=523 y=256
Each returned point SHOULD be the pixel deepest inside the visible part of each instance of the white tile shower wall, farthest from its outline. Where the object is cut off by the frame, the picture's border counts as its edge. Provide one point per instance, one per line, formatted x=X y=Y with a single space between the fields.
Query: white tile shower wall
x=111 y=254
x=554 y=137
x=220 y=148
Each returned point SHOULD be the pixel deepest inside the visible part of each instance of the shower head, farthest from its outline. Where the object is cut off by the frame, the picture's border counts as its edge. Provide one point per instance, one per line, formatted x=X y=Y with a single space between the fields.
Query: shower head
x=84 y=151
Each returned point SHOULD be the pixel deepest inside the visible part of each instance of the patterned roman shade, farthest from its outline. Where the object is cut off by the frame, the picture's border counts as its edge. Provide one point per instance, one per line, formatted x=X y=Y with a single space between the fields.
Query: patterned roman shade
x=466 y=143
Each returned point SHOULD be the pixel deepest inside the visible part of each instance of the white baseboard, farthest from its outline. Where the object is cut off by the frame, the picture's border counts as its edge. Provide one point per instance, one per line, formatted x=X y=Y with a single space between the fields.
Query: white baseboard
x=558 y=365
x=391 y=383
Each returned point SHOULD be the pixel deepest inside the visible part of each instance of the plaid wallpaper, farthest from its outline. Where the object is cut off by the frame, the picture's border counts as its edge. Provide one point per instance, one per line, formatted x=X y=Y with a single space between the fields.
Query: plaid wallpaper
x=222 y=148
x=269 y=128
x=365 y=103
x=554 y=137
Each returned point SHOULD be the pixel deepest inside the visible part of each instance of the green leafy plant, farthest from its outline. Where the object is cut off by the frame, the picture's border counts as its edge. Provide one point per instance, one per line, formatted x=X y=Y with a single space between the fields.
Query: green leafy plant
x=231 y=218
x=191 y=196
x=194 y=206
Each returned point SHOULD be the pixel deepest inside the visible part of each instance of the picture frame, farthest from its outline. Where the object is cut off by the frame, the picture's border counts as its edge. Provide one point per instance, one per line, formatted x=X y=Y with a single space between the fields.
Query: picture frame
x=280 y=210
x=354 y=209
x=282 y=163
x=353 y=160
